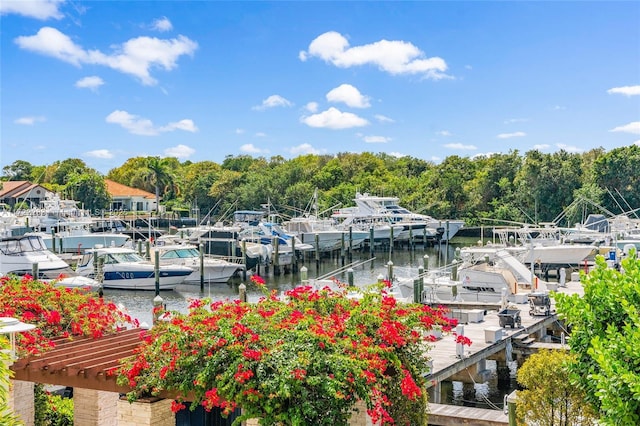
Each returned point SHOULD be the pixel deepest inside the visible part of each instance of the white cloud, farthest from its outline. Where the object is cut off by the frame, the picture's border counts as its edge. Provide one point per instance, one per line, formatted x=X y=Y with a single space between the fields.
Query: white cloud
x=460 y=146
x=637 y=142
x=251 y=149
x=569 y=148
x=383 y=119
x=261 y=135
x=443 y=133
x=144 y=127
x=516 y=120
x=311 y=107
x=558 y=108
x=393 y=57
x=239 y=131
x=187 y=125
x=272 y=102
x=348 y=95
x=333 y=118
x=37 y=9
x=92 y=83
x=179 y=151
x=625 y=90
x=29 y=121
x=135 y=57
x=162 y=24
x=511 y=135
x=304 y=149
x=100 y=153
x=397 y=154
x=376 y=139
x=633 y=127
x=436 y=159
x=541 y=147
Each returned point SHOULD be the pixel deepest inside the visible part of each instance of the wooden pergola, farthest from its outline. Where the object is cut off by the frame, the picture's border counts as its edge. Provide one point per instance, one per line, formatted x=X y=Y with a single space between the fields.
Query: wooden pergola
x=83 y=362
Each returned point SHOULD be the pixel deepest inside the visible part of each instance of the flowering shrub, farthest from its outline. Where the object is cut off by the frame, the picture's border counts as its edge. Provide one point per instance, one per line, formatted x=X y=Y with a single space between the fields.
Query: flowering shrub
x=56 y=312
x=304 y=359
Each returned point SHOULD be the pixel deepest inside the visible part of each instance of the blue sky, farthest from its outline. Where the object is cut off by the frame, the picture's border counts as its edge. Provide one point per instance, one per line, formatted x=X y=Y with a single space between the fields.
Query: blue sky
x=105 y=81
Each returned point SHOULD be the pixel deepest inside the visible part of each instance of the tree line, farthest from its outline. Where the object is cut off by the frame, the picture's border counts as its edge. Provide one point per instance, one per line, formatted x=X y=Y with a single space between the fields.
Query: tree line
x=530 y=187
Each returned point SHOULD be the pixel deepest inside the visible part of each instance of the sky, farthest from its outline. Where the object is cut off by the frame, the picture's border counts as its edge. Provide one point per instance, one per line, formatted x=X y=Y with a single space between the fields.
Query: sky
x=105 y=81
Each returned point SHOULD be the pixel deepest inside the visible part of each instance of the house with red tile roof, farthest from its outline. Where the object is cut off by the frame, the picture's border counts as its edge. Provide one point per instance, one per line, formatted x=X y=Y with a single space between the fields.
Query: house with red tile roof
x=16 y=191
x=126 y=198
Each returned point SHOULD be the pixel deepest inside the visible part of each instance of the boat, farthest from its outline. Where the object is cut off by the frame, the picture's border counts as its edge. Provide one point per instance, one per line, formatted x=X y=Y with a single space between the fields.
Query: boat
x=66 y=228
x=221 y=241
x=419 y=225
x=543 y=245
x=480 y=274
x=123 y=268
x=211 y=269
x=285 y=246
x=323 y=234
x=28 y=255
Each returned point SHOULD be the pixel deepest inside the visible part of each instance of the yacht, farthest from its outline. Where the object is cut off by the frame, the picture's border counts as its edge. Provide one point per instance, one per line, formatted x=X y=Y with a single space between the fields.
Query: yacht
x=388 y=208
x=482 y=274
x=26 y=254
x=66 y=228
x=123 y=268
x=543 y=246
x=211 y=269
x=324 y=233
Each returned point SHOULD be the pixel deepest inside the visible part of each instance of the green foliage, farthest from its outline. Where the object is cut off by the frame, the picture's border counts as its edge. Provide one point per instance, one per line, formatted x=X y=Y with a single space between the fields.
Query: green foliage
x=605 y=338
x=90 y=190
x=7 y=418
x=548 y=397
x=534 y=187
x=52 y=409
x=18 y=170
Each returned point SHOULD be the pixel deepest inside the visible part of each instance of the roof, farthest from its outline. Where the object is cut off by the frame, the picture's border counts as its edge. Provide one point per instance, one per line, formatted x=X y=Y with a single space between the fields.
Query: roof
x=116 y=189
x=17 y=188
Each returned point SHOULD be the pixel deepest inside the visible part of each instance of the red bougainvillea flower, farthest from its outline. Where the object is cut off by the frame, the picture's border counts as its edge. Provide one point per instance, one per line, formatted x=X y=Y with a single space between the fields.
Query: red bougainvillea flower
x=56 y=312
x=304 y=359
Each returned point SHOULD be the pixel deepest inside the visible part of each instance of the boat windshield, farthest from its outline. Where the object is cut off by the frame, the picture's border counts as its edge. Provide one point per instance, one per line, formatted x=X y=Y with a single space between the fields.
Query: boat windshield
x=181 y=253
x=124 y=257
x=26 y=244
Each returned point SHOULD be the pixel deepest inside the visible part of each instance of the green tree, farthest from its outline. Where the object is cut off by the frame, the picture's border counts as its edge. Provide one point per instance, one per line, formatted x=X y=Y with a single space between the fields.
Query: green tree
x=617 y=172
x=90 y=189
x=60 y=171
x=605 y=338
x=548 y=397
x=18 y=170
x=159 y=174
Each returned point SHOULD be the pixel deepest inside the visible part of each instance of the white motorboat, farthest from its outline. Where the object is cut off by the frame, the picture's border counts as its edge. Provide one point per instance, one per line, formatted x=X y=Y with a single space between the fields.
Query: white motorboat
x=66 y=228
x=324 y=234
x=123 y=268
x=483 y=274
x=213 y=270
x=22 y=255
x=420 y=225
x=543 y=246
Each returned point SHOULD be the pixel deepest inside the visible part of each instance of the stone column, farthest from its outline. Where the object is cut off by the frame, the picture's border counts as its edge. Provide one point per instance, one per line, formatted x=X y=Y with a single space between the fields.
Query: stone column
x=21 y=395
x=93 y=407
x=145 y=412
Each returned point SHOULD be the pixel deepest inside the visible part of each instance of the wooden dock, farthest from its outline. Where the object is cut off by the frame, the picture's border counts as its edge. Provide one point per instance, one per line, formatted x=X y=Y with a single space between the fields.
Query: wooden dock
x=451 y=361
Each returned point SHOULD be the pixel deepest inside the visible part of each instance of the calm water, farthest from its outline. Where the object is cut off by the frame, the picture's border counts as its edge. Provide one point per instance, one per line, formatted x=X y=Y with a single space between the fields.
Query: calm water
x=406 y=262
x=139 y=304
